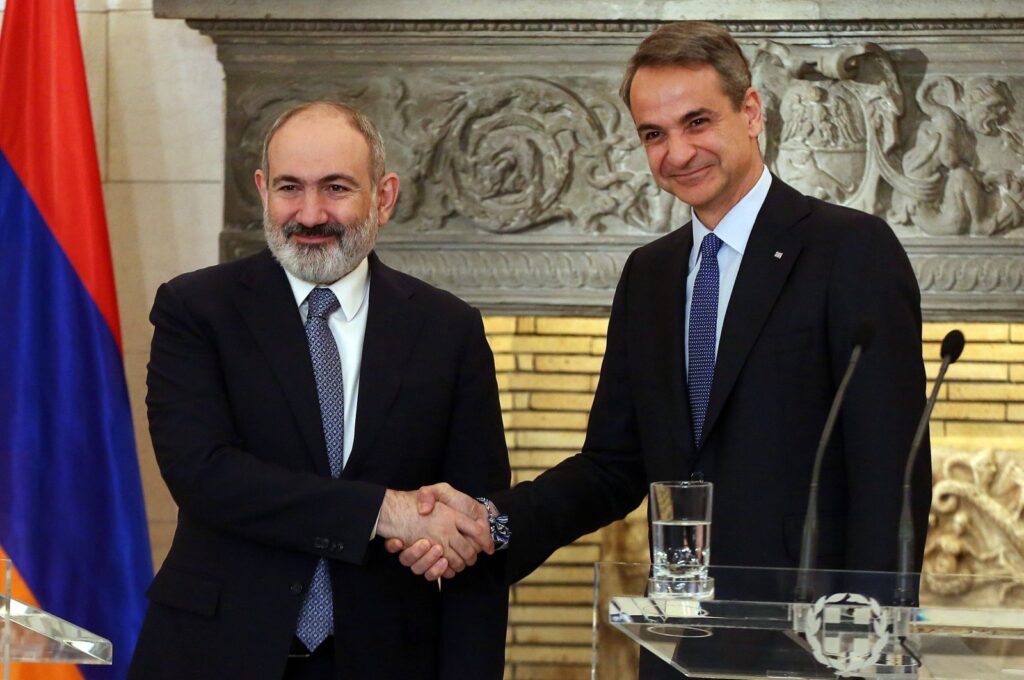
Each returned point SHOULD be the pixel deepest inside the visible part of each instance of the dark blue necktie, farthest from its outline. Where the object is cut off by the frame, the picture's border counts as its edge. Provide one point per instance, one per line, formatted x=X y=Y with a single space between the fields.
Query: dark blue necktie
x=316 y=620
x=703 y=324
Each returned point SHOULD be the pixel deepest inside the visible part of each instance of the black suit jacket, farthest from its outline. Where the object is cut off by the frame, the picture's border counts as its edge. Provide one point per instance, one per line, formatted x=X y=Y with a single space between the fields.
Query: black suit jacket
x=236 y=427
x=812 y=271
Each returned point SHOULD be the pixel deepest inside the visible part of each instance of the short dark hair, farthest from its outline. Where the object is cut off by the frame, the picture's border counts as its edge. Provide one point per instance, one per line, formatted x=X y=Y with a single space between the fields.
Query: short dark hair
x=693 y=43
x=359 y=120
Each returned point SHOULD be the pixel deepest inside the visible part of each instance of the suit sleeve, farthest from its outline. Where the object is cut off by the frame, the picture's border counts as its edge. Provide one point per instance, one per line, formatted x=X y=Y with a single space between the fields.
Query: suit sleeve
x=474 y=605
x=873 y=280
x=213 y=479
x=601 y=484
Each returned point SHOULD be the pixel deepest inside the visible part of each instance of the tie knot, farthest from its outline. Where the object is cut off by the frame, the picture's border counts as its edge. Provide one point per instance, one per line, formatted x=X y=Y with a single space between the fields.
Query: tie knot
x=710 y=245
x=322 y=302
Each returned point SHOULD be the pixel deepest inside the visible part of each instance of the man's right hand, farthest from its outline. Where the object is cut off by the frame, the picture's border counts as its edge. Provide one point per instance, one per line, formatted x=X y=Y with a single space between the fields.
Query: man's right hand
x=452 y=536
x=426 y=557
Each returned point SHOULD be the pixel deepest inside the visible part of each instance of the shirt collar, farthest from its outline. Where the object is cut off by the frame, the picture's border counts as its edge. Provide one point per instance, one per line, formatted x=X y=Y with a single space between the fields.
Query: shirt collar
x=734 y=229
x=349 y=289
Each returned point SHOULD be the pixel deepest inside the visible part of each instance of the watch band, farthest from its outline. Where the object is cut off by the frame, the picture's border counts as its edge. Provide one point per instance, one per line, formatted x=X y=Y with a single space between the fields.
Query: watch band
x=500 y=533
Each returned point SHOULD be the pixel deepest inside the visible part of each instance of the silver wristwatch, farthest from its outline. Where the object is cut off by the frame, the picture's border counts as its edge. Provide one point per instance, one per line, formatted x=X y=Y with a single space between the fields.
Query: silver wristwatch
x=500 y=533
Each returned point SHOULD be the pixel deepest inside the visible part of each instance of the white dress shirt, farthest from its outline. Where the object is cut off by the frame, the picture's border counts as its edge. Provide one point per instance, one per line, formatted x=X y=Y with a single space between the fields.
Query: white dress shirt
x=348 y=326
x=734 y=231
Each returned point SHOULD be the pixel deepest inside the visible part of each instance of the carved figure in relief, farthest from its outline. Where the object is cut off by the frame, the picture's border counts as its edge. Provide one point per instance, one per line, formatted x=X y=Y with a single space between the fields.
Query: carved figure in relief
x=987 y=104
x=838 y=139
x=943 y=157
x=947 y=187
x=839 y=107
x=949 y=554
x=975 y=526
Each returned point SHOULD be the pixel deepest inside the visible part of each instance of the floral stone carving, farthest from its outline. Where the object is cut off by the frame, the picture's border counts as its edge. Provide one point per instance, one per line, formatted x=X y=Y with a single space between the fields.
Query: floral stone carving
x=975 y=528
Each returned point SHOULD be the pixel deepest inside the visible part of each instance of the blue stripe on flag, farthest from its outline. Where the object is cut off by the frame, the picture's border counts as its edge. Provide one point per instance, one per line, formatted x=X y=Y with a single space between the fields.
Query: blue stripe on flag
x=71 y=509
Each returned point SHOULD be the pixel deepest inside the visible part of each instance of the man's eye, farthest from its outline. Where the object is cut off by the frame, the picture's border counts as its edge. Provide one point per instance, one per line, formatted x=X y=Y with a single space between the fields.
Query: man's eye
x=287 y=188
x=698 y=122
x=337 y=188
x=650 y=136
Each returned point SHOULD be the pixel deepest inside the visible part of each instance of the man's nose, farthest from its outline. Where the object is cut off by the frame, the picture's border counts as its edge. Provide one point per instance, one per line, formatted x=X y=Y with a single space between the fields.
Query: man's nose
x=680 y=151
x=312 y=211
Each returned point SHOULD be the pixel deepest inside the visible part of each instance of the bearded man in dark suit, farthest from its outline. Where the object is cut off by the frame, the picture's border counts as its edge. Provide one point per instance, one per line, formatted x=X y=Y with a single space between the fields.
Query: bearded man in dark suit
x=291 y=395
x=727 y=340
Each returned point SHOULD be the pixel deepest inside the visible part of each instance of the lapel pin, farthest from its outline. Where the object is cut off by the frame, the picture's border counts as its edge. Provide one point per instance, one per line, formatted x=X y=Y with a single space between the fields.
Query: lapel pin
x=778 y=254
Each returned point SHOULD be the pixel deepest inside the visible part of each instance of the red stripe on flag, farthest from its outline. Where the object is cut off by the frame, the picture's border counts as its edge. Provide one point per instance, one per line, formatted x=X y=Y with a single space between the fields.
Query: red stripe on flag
x=48 y=138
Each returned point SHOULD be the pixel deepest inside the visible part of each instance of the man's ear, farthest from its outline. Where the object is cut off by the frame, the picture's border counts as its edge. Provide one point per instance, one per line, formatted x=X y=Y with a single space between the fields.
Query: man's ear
x=753 y=111
x=387 y=196
x=261 y=185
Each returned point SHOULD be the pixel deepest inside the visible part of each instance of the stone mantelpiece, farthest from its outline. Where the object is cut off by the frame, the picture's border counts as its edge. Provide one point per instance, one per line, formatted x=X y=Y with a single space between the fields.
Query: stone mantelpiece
x=524 y=187
x=586 y=10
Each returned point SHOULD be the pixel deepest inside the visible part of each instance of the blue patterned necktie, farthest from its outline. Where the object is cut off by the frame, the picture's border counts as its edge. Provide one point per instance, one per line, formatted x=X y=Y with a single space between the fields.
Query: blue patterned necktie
x=316 y=620
x=703 y=325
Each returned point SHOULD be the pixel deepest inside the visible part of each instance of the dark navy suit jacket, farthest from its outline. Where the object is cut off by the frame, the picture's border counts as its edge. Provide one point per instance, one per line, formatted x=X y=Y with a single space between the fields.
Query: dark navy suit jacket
x=236 y=427
x=811 y=273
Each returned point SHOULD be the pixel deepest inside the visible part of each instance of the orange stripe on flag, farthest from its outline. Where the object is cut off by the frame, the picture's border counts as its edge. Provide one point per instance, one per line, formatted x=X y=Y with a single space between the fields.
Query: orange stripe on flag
x=33 y=671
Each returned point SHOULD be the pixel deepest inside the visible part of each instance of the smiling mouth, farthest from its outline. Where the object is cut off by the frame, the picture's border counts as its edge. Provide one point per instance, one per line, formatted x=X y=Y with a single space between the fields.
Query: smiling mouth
x=315 y=235
x=687 y=176
x=312 y=238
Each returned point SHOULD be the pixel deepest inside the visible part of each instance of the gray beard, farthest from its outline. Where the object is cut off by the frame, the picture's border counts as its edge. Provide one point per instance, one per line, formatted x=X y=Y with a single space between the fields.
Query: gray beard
x=322 y=264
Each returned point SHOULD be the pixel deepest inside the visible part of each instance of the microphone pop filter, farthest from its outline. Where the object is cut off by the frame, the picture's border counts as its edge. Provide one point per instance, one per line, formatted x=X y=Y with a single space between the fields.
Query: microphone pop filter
x=952 y=345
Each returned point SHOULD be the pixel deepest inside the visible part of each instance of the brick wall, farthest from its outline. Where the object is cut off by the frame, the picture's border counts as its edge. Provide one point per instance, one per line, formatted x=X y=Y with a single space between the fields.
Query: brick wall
x=547 y=371
x=984 y=393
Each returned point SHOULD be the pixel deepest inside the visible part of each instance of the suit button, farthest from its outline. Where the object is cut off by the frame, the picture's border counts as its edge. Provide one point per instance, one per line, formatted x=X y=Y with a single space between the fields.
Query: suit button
x=321 y=543
x=296 y=587
x=338 y=547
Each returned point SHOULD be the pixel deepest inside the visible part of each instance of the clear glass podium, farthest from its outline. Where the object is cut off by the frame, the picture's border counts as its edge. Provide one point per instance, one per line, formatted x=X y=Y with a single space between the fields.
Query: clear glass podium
x=843 y=624
x=30 y=635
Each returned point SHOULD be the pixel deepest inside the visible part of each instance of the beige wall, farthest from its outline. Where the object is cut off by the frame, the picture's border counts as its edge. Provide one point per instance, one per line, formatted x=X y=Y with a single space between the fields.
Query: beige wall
x=156 y=90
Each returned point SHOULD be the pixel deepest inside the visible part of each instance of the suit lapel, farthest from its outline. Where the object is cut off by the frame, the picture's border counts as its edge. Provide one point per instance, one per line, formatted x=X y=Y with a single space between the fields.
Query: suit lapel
x=266 y=303
x=758 y=283
x=392 y=325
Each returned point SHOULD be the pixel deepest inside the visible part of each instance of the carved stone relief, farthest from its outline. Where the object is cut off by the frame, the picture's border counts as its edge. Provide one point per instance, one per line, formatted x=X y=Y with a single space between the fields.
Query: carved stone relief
x=512 y=154
x=502 y=155
x=956 y=179
x=975 y=528
x=833 y=116
x=524 y=185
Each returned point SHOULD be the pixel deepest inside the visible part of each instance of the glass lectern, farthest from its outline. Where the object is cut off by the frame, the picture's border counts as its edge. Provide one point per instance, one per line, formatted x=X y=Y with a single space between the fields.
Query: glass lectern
x=30 y=635
x=811 y=625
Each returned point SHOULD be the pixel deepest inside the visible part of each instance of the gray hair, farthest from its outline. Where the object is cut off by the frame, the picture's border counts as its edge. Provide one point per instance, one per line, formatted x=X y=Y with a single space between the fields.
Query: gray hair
x=357 y=118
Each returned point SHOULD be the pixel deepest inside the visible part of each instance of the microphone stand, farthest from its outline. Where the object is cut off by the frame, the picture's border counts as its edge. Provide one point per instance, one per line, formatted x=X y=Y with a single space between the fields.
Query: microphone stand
x=809 y=544
x=952 y=347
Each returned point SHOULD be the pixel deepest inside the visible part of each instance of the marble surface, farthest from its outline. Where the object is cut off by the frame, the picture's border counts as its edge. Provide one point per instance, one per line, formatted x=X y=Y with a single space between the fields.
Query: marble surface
x=599 y=10
x=166 y=101
x=157 y=231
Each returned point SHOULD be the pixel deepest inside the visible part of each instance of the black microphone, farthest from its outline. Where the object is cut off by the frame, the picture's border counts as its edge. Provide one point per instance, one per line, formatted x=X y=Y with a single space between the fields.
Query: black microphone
x=952 y=348
x=862 y=337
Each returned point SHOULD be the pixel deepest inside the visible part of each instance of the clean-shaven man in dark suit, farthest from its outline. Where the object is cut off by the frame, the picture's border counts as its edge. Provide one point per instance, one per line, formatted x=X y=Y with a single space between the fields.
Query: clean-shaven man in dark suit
x=290 y=395
x=741 y=400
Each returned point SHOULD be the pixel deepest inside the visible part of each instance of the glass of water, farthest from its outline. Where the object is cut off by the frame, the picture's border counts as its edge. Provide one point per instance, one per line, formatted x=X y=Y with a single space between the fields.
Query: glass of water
x=681 y=532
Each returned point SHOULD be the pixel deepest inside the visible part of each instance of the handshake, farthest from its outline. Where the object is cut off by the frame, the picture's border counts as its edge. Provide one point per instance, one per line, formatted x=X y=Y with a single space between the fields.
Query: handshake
x=438 y=530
